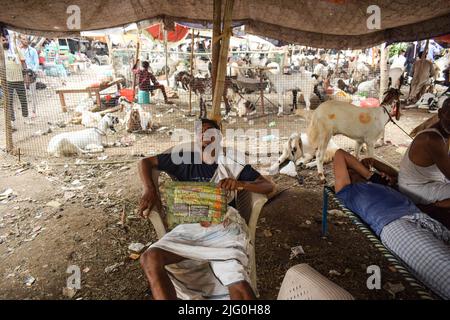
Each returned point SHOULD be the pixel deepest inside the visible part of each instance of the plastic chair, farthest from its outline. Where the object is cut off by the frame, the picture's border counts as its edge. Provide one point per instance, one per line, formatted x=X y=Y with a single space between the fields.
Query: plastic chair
x=302 y=282
x=248 y=204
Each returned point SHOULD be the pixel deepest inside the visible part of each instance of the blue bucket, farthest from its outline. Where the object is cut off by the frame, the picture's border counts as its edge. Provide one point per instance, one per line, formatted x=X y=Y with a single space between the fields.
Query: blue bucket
x=144 y=97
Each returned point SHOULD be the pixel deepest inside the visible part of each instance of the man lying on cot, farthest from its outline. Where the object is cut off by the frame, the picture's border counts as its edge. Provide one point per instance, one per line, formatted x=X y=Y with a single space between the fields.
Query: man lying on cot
x=425 y=169
x=421 y=242
x=176 y=257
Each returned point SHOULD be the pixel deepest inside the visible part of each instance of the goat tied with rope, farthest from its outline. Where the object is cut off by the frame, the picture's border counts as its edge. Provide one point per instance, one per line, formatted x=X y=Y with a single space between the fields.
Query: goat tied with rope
x=363 y=125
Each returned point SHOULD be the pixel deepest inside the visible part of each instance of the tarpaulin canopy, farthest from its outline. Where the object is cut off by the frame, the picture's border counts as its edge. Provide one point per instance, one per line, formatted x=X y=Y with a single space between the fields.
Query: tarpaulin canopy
x=317 y=23
x=156 y=32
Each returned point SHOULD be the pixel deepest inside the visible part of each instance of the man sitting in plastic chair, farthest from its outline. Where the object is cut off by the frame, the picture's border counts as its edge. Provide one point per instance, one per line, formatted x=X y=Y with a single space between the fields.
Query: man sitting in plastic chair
x=224 y=246
x=421 y=242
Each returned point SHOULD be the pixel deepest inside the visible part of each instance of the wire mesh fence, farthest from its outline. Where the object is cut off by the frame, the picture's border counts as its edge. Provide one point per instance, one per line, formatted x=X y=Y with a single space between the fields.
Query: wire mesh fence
x=265 y=93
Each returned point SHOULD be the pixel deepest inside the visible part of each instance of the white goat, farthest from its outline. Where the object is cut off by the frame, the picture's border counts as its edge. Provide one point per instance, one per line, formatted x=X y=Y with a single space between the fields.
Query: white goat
x=299 y=150
x=303 y=81
x=363 y=125
x=85 y=105
x=90 y=119
x=78 y=142
x=369 y=86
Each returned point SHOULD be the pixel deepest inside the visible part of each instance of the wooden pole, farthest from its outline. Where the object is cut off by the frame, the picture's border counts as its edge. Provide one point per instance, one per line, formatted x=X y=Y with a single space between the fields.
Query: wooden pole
x=8 y=128
x=217 y=30
x=136 y=58
x=384 y=76
x=222 y=63
x=165 y=50
x=337 y=63
x=192 y=71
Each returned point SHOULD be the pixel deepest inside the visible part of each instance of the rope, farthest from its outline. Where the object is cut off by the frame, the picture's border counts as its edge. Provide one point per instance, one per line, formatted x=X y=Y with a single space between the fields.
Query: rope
x=392 y=120
x=417 y=286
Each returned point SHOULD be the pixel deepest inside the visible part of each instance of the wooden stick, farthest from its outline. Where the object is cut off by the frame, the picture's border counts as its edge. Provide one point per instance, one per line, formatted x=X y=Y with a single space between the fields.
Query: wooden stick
x=217 y=30
x=8 y=129
x=138 y=45
x=165 y=49
x=222 y=63
x=192 y=71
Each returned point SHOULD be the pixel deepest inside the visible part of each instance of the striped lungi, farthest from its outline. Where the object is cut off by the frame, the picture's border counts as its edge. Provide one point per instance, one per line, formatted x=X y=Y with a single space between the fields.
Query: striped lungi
x=423 y=244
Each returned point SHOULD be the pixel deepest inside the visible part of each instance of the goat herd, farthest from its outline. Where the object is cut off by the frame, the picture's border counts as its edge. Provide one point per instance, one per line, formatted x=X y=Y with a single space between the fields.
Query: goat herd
x=364 y=125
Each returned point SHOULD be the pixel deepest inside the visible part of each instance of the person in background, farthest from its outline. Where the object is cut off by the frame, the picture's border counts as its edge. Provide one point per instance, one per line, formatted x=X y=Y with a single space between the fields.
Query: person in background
x=32 y=61
x=410 y=55
x=15 y=82
x=148 y=82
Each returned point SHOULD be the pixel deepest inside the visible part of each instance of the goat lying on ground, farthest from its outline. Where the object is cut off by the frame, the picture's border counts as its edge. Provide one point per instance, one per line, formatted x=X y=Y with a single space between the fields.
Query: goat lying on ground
x=78 y=142
x=299 y=150
x=363 y=125
x=304 y=81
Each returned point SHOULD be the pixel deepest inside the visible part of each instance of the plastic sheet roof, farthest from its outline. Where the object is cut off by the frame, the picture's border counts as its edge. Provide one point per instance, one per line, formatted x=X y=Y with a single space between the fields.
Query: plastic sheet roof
x=318 y=23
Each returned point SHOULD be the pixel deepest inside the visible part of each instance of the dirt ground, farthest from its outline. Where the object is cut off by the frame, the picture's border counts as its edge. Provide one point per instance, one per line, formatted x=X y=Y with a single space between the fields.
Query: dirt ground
x=68 y=211
x=42 y=241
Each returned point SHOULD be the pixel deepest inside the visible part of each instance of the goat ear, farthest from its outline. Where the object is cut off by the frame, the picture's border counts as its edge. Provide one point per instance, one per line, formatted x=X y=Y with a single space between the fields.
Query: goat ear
x=314 y=76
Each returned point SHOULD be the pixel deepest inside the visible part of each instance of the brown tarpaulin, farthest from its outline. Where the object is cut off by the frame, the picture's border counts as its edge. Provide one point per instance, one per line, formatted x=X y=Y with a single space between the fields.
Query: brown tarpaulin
x=318 y=23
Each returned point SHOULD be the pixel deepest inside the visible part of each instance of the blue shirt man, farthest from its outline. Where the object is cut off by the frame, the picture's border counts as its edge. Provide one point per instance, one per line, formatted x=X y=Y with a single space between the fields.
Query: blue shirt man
x=31 y=56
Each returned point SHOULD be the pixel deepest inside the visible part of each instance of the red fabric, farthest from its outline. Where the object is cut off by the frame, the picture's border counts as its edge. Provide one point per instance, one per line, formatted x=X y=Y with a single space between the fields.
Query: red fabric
x=172 y=36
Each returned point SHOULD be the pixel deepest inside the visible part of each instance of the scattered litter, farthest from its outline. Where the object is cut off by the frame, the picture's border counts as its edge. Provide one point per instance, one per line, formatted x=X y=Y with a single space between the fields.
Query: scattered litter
x=134 y=256
x=113 y=267
x=169 y=111
x=267 y=233
x=337 y=213
x=162 y=129
x=127 y=140
x=289 y=169
x=69 y=195
x=272 y=124
x=136 y=247
x=29 y=280
x=394 y=288
x=347 y=270
x=308 y=222
x=6 y=194
x=102 y=158
x=86 y=270
x=334 y=273
x=53 y=204
x=251 y=122
x=296 y=251
x=124 y=168
x=69 y=292
x=18 y=172
x=76 y=182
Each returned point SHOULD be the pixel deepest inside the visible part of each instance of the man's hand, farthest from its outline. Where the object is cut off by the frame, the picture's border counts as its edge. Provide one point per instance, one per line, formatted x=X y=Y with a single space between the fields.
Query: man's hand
x=149 y=200
x=367 y=162
x=230 y=184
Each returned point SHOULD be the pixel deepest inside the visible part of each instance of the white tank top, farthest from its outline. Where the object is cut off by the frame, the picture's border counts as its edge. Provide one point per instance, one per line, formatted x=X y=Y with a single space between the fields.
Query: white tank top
x=411 y=174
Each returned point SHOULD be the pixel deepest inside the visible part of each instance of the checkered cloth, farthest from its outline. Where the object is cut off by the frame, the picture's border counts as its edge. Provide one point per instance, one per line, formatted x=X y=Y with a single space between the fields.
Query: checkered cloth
x=423 y=244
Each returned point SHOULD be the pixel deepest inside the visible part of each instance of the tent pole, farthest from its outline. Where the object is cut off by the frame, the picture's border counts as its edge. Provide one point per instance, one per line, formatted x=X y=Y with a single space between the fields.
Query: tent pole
x=217 y=30
x=165 y=50
x=192 y=71
x=384 y=76
x=136 y=58
x=222 y=63
x=8 y=129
